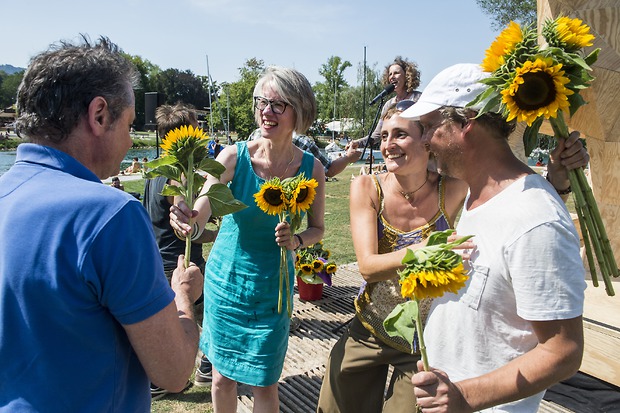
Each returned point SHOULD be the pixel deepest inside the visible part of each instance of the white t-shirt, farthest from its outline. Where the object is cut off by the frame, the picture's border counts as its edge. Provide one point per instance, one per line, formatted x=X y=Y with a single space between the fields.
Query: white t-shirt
x=526 y=266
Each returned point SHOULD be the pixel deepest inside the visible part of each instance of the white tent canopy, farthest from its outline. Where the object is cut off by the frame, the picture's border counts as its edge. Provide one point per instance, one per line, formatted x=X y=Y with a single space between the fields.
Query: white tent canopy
x=345 y=124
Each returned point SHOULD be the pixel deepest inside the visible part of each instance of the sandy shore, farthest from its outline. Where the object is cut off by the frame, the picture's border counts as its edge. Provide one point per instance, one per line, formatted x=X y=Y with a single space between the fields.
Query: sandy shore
x=124 y=178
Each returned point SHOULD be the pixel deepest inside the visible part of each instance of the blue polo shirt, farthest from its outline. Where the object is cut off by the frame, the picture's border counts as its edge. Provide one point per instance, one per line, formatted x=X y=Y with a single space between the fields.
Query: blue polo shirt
x=77 y=260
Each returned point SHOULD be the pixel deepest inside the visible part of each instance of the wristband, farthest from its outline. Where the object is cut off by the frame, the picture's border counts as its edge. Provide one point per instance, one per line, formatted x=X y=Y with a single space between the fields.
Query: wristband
x=562 y=192
x=196 y=231
x=301 y=241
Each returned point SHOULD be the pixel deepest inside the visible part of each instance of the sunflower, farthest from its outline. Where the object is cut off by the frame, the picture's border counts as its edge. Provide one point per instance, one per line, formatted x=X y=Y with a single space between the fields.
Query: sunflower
x=317 y=265
x=271 y=199
x=433 y=282
x=537 y=89
x=306 y=269
x=567 y=33
x=303 y=195
x=503 y=46
x=180 y=140
x=331 y=268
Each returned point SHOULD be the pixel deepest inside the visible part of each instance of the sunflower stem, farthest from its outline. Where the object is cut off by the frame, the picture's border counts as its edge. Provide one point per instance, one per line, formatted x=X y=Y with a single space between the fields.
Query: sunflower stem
x=587 y=245
x=589 y=217
x=189 y=199
x=289 y=307
x=420 y=330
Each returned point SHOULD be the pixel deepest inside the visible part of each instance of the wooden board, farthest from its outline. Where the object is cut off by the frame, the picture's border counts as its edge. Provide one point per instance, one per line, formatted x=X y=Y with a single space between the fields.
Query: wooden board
x=601 y=314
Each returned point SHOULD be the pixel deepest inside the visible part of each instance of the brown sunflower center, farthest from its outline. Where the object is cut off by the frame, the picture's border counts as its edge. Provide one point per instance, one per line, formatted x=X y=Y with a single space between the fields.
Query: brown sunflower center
x=273 y=197
x=536 y=91
x=302 y=195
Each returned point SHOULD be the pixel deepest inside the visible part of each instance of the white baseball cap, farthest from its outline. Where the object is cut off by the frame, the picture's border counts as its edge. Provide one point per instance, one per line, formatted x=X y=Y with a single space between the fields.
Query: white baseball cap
x=455 y=86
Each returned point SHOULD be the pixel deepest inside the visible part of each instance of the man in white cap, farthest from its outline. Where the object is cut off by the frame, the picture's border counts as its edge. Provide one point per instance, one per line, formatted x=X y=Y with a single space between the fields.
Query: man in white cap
x=516 y=327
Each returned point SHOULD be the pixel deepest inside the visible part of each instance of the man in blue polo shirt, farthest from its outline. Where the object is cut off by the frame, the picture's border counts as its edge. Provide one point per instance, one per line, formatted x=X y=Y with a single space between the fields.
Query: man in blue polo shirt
x=87 y=317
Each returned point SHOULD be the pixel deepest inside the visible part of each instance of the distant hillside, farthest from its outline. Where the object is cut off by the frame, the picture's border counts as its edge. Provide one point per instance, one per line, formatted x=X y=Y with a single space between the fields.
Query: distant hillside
x=9 y=70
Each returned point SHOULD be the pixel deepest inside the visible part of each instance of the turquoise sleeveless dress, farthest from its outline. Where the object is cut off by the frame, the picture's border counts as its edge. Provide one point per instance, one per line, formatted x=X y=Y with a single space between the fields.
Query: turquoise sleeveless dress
x=243 y=335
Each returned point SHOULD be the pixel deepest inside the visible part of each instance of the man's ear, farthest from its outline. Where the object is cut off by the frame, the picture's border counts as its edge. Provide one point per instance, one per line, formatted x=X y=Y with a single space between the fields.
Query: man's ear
x=98 y=115
x=467 y=128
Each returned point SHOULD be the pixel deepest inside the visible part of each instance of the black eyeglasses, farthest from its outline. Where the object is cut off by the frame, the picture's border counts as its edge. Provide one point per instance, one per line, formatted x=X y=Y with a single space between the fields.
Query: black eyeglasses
x=277 y=106
x=403 y=105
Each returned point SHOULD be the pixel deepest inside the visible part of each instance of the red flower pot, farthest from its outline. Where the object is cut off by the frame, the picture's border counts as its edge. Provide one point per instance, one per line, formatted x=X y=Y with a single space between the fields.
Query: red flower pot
x=309 y=292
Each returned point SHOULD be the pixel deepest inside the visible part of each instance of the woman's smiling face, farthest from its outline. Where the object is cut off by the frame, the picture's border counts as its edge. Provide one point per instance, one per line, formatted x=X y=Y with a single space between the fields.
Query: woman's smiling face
x=271 y=123
x=401 y=144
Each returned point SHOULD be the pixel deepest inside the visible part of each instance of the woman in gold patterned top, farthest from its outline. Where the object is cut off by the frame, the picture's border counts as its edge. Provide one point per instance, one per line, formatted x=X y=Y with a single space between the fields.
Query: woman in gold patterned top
x=389 y=212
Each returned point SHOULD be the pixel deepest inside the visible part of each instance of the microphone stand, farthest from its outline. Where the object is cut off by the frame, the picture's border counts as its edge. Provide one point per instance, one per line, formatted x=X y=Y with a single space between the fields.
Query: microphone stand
x=370 y=141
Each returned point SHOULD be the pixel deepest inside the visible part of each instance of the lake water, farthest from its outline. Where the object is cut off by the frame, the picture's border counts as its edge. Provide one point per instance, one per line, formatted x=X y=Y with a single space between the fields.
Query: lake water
x=7 y=159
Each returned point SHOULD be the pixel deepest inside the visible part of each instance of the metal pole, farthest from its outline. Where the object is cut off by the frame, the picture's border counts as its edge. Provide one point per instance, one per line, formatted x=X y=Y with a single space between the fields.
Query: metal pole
x=334 y=108
x=210 y=103
x=228 y=114
x=364 y=94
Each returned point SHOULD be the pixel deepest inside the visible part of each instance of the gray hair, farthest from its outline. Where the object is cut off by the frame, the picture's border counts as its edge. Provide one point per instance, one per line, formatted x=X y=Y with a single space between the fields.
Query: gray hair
x=491 y=121
x=60 y=83
x=294 y=89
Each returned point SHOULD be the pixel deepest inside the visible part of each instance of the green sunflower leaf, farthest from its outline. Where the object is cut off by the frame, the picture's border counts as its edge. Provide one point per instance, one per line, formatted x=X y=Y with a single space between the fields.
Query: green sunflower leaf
x=222 y=200
x=401 y=321
x=172 y=190
x=211 y=166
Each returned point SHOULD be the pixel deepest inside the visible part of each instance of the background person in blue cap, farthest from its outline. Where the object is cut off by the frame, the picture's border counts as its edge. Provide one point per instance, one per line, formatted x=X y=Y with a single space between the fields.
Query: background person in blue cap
x=516 y=327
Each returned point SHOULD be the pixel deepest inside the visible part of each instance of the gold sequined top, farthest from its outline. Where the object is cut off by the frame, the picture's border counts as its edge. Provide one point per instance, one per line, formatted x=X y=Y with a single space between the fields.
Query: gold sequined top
x=376 y=300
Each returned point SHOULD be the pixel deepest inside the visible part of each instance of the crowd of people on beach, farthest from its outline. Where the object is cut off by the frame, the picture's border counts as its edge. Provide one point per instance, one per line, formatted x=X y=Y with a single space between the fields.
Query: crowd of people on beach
x=76 y=296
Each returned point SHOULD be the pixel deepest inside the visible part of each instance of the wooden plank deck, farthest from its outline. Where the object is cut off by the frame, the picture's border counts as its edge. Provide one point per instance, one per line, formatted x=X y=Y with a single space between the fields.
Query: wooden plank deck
x=322 y=323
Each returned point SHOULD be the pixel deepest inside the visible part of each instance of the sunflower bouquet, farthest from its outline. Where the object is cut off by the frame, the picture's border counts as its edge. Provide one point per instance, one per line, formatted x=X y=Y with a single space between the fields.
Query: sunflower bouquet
x=184 y=161
x=288 y=198
x=532 y=83
x=313 y=266
x=429 y=272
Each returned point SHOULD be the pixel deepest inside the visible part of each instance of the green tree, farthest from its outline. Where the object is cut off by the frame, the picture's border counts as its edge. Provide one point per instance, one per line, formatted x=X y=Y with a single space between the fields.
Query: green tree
x=503 y=11
x=353 y=103
x=182 y=86
x=148 y=71
x=8 y=88
x=327 y=92
x=240 y=99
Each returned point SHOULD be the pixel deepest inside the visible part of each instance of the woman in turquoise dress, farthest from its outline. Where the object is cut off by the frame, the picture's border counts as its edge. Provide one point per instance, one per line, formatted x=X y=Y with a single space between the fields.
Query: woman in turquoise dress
x=243 y=334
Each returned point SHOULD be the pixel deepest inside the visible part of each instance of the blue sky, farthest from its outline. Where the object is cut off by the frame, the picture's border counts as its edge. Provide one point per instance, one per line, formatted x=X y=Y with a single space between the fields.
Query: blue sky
x=295 y=33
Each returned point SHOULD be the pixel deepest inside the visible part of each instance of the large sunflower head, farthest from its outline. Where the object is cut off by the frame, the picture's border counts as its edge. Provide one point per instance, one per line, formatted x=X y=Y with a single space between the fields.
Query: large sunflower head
x=270 y=198
x=537 y=89
x=433 y=282
x=566 y=33
x=502 y=47
x=303 y=195
x=182 y=141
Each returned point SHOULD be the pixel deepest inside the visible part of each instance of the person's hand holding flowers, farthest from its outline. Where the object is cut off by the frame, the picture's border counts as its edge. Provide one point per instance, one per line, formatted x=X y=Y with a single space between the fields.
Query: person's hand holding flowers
x=184 y=161
x=288 y=198
x=429 y=272
x=532 y=83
